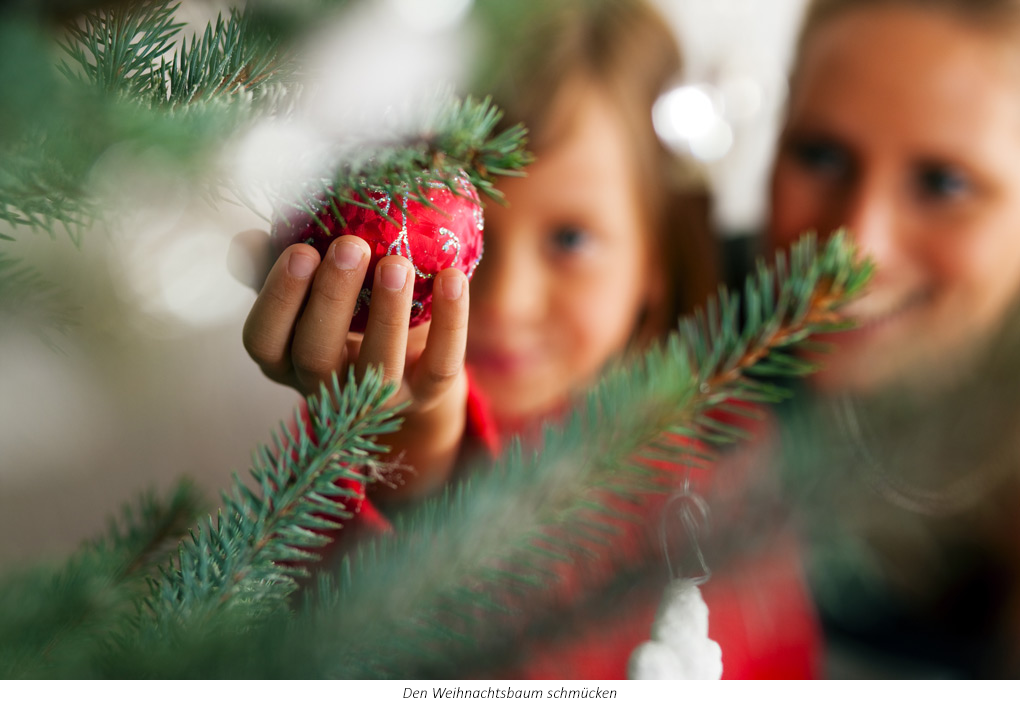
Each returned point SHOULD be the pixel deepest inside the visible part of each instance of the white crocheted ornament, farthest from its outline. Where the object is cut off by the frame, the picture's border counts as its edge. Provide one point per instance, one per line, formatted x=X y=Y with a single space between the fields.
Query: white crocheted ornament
x=679 y=647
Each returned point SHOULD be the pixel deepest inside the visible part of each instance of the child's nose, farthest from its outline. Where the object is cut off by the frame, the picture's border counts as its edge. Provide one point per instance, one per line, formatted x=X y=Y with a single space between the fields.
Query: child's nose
x=507 y=290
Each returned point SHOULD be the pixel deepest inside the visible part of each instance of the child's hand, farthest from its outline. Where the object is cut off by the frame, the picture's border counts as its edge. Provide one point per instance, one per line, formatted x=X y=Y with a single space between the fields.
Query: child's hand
x=297 y=332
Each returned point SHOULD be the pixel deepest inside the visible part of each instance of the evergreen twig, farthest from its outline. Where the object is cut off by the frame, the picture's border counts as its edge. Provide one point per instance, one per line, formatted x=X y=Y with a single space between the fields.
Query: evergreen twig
x=117 y=49
x=27 y=297
x=122 y=89
x=453 y=138
x=146 y=532
x=450 y=592
x=235 y=56
x=253 y=552
x=60 y=618
x=487 y=543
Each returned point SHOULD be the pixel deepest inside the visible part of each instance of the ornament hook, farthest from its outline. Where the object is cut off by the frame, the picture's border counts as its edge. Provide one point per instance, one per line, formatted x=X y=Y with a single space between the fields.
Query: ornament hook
x=693 y=513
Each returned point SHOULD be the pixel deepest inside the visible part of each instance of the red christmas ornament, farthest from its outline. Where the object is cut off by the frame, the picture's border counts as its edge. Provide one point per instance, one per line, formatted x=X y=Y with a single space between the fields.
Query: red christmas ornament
x=431 y=238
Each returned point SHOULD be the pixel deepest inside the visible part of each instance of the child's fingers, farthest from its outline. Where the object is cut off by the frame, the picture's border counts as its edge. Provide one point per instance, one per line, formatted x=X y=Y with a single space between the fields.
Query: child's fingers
x=443 y=358
x=389 y=313
x=270 y=324
x=319 y=346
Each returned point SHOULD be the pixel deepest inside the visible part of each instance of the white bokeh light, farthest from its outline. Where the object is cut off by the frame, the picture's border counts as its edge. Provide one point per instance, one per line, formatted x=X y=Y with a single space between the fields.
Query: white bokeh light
x=275 y=154
x=713 y=145
x=684 y=113
x=432 y=15
x=690 y=119
x=174 y=274
x=367 y=74
x=743 y=50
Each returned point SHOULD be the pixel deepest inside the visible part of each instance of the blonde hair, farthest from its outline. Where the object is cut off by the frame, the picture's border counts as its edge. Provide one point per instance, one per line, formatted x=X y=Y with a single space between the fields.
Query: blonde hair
x=627 y=50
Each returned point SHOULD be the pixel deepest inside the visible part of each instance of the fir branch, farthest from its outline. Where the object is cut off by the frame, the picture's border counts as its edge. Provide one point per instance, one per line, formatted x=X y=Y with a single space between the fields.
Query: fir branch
x=453 y=138
x=248 y=556
x=129 y=56
x=465 y=578
x=146 y=532
x=121 y=89
x=61 y=617
x=27 y=297
x=124 y=50
x=486 y=543
x=459 y=137
x=87 y=621
x=236 y=56
x=116 y=49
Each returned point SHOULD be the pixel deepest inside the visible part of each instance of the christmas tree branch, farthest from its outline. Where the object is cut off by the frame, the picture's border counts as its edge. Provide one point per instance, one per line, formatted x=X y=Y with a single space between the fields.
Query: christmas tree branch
x=454 y=138
x=121 y=88
x=223 y=575
x=251 y=554
x=487 y=543
x=60 y=617
x=27 y=297
x=236 y=56
x=43 y=191
x=463 y=581
x=460 y=584
x=117 y=49
x=116 y=60
x=149 y=530
x=457 y=587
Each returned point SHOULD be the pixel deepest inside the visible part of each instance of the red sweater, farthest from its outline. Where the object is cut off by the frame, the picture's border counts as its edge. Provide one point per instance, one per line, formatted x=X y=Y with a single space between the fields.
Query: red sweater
x=760 y=611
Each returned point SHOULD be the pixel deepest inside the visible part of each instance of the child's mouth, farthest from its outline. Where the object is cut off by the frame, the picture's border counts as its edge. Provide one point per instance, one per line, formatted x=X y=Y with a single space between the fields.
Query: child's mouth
x=498 y=361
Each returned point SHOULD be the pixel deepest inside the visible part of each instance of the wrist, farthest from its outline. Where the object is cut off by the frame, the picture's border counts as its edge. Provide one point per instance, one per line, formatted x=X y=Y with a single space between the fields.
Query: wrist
x=426 y=447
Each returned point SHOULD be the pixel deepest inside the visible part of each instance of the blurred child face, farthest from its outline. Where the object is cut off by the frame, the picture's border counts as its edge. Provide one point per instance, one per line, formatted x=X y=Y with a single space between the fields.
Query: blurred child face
x=567 y=267
x=904 y=126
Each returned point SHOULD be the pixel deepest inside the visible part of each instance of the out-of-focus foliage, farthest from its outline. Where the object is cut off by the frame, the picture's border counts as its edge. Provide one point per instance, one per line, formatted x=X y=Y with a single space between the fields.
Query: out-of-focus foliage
x=460 y=588
x=124 y=79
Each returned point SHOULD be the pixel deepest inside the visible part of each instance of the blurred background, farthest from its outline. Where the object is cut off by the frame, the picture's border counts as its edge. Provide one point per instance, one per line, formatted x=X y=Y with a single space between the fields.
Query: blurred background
x=151 y=382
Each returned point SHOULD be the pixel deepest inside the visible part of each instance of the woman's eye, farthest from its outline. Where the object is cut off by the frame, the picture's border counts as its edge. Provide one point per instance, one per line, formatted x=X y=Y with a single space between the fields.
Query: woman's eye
x=821 y=156
x=941 y=182
x=569 y=239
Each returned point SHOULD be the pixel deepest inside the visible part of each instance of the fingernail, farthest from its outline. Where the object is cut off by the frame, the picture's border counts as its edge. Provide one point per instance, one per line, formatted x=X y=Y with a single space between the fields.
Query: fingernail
x=347 y=255
x=393 y=276
x=301 y=265
x=452 y=286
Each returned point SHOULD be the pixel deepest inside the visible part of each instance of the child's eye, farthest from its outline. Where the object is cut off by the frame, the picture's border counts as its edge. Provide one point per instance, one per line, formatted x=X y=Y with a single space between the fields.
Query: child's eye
x=569 y=239
x=941 y=182
x=821 y=156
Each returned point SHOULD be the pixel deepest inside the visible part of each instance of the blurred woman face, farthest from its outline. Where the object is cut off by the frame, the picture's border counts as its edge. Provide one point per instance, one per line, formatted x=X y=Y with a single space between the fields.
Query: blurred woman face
x=568 y=266
x=904 y=126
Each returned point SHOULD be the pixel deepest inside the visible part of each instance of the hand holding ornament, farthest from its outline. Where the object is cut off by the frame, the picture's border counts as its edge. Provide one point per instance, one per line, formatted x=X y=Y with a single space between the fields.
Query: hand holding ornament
x=322 y=292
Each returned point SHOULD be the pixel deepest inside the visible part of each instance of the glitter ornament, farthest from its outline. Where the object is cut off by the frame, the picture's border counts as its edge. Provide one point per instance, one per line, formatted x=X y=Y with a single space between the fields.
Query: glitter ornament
x=679 y=647
x=433 y=238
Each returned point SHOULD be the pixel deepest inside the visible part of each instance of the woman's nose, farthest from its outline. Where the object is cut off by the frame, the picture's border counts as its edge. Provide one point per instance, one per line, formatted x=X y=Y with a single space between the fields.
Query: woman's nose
x=870 y=214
